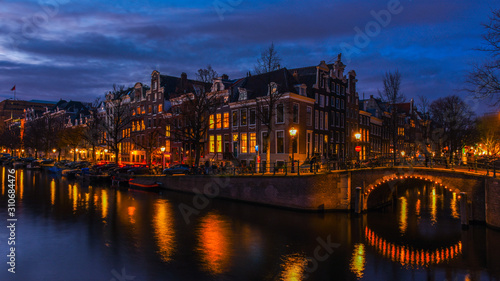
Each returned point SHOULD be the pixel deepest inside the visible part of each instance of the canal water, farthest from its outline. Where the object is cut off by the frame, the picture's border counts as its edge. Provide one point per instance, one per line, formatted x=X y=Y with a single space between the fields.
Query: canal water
x=72 y=231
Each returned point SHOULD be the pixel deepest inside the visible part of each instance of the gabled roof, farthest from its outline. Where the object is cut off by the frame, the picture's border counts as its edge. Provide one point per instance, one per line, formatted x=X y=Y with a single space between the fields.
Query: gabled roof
x=258 y=85
x=174 y=86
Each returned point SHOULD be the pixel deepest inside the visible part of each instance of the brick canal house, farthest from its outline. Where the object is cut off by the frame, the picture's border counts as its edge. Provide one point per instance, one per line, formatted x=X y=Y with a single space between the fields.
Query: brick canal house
x=312 y=100
x=320 y=102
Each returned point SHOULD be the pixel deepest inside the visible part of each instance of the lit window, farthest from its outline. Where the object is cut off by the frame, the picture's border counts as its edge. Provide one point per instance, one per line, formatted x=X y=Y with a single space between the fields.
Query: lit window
x=218 y=121
x=167 y=146
x=244 y=143
x=253 y=142
x=211 y=145
x=211 y=122
x=160 y=108
x=226 y=120
x=235 y=118
x=167 y=131
x=219 y=143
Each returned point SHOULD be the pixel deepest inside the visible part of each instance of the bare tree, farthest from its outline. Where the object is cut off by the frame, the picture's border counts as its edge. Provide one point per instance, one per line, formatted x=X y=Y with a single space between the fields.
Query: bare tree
x=267 y=110
x=206 y=74
x=92 y=134
x=484 y=79
x=269 y=61
x=54 y=125
x=149 y=141
x=392 y=95
x=423 y=106
x=118 y=120
x=10 y=137
x=488 y=132
x=71 y=137
x=34 y=132
x=455 y=118
x=190 y=118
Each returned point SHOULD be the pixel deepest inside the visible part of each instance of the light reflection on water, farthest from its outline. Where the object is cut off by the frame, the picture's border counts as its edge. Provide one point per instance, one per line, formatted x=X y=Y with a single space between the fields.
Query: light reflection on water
x=214 y=244
x=146 y=234
x=163 y=226
x=358 y=260
x=403 y=215
x=293 y=267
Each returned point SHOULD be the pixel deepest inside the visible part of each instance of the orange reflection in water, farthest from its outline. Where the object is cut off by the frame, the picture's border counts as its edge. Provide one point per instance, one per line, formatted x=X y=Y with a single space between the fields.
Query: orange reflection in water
x=214 y=244
x=453 y=206
x=403 y=215
x=104 y=203
x=20 y=183
x=358 y=260
x=293 y=267
x=75 y=197
x=433 y=206
x=52 y=191
x=163 y=225
x=3 y=181
x=408 y=256
x=417 y=208
x=131 y=211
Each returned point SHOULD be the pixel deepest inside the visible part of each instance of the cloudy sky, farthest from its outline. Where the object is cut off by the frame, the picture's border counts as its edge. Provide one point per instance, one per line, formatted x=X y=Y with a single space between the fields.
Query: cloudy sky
x=52 y=49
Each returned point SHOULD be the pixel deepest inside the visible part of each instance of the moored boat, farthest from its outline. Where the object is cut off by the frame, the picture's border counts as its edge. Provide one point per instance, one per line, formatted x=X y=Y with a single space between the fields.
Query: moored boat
x=144 y=184
x=36 y=164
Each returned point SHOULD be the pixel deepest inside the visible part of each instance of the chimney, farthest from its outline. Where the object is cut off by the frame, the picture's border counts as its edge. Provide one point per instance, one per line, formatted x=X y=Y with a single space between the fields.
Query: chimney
x=225 y=77
x=295 y=74
x=184 y=79
x=371 y=96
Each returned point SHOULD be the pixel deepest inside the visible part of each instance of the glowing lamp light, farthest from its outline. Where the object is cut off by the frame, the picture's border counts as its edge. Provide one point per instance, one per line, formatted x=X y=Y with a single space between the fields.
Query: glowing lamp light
x=54 y=150
x=106 y=150
x=162 y=149
x=357 y=136
x=292 y=132
x=403 y=153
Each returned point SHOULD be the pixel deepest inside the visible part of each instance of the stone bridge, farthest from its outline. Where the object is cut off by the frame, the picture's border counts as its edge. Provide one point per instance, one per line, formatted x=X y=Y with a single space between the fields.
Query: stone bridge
x=479 y=194
x=357 y=190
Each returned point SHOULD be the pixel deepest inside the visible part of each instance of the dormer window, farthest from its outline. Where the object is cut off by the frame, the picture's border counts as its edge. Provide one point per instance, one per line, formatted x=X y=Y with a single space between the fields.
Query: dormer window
x=243 y=94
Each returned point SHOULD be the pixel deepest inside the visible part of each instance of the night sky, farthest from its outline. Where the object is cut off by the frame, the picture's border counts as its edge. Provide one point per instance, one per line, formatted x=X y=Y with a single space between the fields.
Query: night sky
x=52 y=49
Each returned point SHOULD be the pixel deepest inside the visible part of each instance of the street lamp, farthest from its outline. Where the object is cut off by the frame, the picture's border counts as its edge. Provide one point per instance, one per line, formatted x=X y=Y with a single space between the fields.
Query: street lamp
x=403 y=155
x=162 y=158
x=293 y=133
x=358 y=139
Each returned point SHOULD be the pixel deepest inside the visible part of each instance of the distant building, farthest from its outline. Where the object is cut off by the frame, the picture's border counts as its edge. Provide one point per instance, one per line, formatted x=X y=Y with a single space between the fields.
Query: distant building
x=14 y=109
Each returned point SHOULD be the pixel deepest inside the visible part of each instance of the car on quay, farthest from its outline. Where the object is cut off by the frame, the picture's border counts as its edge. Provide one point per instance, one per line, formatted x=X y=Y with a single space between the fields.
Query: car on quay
x=178 y=169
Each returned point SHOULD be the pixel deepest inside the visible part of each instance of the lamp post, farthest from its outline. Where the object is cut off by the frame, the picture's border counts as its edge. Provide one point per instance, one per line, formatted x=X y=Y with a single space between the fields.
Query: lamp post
x=293 y=133
x=54 y=151
x=162 y=158
x=105 y=151
x=403 y=155
x=358 y=139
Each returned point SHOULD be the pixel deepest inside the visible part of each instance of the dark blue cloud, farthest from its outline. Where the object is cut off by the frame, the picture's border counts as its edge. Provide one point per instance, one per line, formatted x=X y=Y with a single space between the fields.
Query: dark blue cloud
x=78 y=49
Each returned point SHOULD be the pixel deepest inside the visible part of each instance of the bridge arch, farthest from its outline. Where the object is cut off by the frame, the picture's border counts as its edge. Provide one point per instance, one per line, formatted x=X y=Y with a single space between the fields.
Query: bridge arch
x=391 y=181
x=371 y=179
